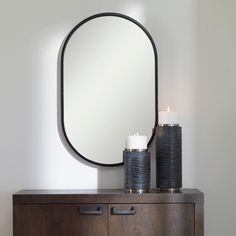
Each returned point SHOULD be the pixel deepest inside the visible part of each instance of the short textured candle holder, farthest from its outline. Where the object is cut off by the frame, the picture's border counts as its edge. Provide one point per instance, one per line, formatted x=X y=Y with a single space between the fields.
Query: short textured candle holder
x=136 y=171
x=169 y=158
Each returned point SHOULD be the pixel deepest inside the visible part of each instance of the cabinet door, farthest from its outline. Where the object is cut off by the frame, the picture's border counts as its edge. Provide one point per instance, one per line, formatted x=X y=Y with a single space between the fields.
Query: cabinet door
x=65 y=220
x=151 y=219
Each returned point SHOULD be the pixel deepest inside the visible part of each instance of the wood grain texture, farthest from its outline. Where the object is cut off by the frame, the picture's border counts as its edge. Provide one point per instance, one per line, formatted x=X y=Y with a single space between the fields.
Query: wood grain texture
x=58 y=213
x=199 y=218
x=61 y=220
x=104 y=196
x=17 y=220
x=154 y=220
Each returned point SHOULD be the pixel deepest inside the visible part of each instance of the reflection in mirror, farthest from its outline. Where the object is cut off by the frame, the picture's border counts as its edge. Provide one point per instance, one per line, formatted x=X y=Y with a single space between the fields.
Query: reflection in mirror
x=109 y=75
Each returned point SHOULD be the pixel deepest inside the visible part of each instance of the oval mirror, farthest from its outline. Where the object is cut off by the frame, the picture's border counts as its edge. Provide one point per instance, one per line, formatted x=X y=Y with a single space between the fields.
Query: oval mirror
x=109 y=86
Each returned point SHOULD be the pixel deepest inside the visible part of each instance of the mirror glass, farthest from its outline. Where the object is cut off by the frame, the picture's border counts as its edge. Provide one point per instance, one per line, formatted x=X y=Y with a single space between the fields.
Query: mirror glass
x=108 y=86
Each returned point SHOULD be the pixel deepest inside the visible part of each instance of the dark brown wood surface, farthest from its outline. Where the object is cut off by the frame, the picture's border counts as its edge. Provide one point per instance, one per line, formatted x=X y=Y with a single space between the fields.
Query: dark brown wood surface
x=56 y=213
x=105 y=196
x=62 y=220
x=154 y=220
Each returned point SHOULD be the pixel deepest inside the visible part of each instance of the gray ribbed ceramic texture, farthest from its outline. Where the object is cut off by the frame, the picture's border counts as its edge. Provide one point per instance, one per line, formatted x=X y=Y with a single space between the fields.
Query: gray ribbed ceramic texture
x=136 y=170
x=169 y=157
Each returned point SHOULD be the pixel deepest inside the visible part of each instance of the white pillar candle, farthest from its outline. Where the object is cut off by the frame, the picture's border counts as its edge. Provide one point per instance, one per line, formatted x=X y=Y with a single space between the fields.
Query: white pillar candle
x=168 y=117
x=136 y=141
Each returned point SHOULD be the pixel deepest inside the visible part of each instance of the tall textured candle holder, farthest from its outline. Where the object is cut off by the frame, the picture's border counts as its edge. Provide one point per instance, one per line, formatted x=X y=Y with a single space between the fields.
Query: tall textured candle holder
x=169 y=158
x=136 y=170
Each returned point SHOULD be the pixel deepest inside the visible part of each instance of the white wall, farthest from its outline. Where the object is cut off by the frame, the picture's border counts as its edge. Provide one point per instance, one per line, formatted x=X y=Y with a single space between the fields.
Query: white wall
x=196 y=46
x=216 y=113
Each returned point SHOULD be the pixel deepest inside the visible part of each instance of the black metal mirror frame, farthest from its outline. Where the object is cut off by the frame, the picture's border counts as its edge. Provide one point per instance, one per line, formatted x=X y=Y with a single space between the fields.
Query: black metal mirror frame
x=62 y=77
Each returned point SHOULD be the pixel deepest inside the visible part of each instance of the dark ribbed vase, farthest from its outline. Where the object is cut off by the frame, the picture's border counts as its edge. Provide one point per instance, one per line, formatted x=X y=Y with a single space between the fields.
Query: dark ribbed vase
x=169 y=158
x=136 y=171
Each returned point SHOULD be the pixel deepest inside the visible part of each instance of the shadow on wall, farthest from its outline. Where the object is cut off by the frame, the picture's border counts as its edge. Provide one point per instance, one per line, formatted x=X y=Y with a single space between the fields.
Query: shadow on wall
x=215 y=109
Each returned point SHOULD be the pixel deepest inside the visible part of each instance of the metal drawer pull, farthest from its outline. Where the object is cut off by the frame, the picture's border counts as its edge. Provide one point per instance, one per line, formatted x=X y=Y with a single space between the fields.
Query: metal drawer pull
x=85 y=210
x=131 y=211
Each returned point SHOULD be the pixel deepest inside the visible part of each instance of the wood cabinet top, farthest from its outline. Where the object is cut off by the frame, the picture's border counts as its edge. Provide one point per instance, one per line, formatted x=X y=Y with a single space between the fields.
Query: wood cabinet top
x=105 y=196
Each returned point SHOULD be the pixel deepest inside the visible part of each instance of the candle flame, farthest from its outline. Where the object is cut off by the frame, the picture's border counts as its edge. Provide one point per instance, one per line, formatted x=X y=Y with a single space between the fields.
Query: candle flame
x=168 y=108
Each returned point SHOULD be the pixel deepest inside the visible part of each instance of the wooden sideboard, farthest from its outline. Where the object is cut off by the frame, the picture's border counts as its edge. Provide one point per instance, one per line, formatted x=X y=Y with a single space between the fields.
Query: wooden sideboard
x=107 y=212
